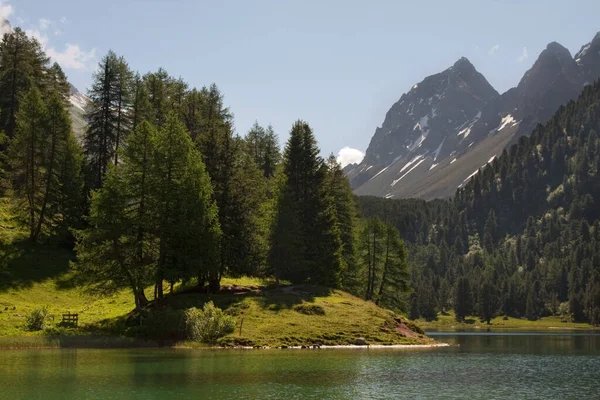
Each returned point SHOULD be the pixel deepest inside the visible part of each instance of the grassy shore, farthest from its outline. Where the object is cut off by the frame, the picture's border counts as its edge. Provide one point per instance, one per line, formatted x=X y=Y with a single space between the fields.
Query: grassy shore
x=448 y=323
x=265 y=315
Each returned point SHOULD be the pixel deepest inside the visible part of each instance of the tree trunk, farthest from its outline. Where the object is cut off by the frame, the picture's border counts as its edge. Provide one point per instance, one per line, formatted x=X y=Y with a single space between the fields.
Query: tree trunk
x=31 y=192
x=48 y=183
x=385 y=267
x=372 y=278
x=13 y=95
x=118 y=138
x=368 y=268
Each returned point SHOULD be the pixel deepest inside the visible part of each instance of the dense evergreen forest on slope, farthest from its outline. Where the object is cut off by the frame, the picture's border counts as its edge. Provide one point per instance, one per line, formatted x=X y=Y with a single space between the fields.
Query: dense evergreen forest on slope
x=160 y=190
x=522 y=238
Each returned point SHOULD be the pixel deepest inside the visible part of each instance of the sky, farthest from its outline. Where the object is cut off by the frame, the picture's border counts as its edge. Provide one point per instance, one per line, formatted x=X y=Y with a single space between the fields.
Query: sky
x=337 y=64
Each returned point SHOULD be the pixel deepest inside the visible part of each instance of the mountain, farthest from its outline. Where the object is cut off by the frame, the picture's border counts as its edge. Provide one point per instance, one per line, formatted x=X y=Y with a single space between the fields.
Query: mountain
x=420 y=123
x=524 y=232
x=588 y=59
x=79 y=102
x=467 y=127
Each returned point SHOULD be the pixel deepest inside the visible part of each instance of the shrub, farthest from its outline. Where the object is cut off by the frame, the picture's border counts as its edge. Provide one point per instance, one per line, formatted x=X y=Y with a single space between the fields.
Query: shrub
x=309 y=309
x=209 y=324
x=36 y=320
x=164 y=324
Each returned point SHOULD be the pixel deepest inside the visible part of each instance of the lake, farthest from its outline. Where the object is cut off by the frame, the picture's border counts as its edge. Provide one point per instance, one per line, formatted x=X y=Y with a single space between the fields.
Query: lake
x=485 y=366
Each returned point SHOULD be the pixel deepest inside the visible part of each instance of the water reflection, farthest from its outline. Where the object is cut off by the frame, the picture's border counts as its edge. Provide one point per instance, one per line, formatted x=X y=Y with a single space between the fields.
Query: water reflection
x=584 y=343
x=494 y=365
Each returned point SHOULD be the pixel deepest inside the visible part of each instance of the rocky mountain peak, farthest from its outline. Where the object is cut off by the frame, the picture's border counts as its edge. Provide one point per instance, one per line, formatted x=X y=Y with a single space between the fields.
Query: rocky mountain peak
x=449 y=125
x=463 y=63
x=588 y=58
x=420 y=121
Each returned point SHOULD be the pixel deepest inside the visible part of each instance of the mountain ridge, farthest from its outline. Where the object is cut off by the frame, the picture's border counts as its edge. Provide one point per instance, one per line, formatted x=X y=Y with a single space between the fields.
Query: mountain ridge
x=460 y=145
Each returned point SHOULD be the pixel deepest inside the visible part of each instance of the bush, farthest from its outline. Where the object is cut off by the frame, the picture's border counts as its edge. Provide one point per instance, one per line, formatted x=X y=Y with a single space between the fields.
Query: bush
x=309 y=309
x=209 y=324
x=164 y=324
x=36 y=320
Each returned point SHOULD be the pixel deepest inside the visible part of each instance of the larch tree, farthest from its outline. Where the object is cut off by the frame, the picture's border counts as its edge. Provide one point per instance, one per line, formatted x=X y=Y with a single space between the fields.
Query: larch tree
x=26 y=155
x=22 y=65
x=44 y=163
x=109 y=116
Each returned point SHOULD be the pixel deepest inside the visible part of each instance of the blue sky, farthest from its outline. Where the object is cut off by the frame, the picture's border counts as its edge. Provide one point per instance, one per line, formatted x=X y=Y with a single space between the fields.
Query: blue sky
x=339 y=65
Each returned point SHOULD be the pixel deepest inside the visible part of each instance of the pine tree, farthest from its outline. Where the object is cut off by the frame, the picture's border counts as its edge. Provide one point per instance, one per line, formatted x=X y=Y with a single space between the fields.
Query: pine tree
x=154 y=218
x=100 y=137
x=57 y=130
x=106 y=259
x=530 y=311
x=56 y=82
x=286 y=251
x=463 y=303
x=122 y=93
x=140 y=107
x=487 y=301
x=26 y=155
x=347 y=220
x=305 y=197
x=109 y=116
x=22 y=65
x=414 y=307
x=262 y=145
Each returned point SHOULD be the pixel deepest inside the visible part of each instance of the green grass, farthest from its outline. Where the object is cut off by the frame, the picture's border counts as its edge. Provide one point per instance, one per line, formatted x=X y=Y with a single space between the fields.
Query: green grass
x=36 y=276
x=448 y=322
x=302 y=315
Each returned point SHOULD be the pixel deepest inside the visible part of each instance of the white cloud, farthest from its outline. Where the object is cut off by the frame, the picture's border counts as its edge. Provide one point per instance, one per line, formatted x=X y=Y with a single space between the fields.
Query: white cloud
x=72 y=57
x=41 y=37
x=6 y=10
x=348 y=155
x=64 y=20
x=494 y=49
x=44 y=23
x=524 y=55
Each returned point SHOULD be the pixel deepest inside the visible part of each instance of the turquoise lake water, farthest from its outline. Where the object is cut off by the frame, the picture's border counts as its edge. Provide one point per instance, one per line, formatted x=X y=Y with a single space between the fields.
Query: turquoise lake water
x=484 y=366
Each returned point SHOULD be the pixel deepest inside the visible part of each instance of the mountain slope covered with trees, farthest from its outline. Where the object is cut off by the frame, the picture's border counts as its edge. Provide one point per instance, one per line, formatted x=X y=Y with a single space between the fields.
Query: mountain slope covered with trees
x=522 y=237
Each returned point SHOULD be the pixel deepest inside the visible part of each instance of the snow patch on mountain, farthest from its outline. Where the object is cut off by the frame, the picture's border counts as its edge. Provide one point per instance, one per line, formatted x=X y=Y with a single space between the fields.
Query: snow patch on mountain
x=408 y=172
x=80 y=101
x=509 y=119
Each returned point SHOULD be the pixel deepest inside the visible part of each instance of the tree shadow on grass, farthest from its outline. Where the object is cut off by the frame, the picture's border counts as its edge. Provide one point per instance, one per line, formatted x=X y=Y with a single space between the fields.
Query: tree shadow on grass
x=286 y=297
x=270 y=297
x=22 y=264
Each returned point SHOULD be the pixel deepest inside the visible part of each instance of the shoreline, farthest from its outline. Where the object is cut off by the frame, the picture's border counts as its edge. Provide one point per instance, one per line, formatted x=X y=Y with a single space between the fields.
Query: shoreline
x=324 y=347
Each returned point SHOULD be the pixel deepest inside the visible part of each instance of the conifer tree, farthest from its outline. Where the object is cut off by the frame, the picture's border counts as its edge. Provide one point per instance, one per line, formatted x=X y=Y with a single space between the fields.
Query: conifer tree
x=109 y=116
x=262 y=145
x=347 y=220
x=22 y=65
x=463 y=303
x=56 y=82
x=45 y=165
x=487 y=301
x=305 y=197
x=106 y=260
x=161 y=224
x=26 y=155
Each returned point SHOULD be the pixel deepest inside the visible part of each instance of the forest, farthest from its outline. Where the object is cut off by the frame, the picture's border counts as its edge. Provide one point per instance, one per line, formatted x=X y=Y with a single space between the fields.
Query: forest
x=160 y=190
x=522 y=238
